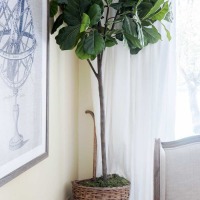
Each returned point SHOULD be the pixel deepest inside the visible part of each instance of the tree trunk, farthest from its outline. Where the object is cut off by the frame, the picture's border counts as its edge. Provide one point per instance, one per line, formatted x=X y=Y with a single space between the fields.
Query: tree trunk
x=192 y=90
x=102 y=117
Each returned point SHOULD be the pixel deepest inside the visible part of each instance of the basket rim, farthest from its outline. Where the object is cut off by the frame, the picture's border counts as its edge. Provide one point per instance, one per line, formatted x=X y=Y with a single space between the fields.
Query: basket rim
x=76 y=183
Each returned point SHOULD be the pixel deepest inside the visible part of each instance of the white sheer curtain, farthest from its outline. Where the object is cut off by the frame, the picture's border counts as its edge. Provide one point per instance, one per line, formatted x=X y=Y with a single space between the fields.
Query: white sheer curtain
x=140 y=106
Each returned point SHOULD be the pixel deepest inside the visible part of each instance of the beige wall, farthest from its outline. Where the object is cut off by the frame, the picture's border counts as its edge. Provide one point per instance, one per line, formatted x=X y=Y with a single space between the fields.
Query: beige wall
x=86 y=125
x=50 y=179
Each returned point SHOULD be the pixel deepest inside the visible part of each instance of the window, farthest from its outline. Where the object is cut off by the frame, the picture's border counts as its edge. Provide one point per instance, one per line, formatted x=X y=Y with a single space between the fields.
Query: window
x=188 y=64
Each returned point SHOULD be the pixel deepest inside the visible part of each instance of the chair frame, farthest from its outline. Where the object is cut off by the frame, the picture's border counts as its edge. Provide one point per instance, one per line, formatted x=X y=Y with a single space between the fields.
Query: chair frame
x=166 y=145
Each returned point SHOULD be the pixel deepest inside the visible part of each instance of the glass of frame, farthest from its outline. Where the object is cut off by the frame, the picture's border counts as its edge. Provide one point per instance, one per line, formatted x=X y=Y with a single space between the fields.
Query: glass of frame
x=23 y=85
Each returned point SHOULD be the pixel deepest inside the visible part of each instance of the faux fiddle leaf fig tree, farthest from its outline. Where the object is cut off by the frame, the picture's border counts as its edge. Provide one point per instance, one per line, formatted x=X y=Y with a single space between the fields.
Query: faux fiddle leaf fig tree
x=91 y=26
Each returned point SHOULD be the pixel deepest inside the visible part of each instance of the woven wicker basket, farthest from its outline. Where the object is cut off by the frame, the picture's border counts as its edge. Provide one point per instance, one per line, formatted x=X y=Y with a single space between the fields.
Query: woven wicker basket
x=92 y=193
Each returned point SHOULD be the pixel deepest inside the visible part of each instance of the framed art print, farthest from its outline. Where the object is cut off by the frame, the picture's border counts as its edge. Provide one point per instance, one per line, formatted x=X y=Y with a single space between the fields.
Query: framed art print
x=23 y=85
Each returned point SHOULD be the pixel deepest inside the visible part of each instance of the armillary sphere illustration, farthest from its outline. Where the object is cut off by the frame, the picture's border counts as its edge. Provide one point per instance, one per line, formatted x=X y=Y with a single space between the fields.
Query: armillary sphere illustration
x=17 y=47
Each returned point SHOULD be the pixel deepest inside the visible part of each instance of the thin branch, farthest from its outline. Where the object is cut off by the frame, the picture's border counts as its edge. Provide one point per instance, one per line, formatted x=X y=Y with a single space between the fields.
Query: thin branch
x=106 y=2
x=185 y=76
x=113 y=26
x=91 y=66
x=106 y=26
x=111 y=18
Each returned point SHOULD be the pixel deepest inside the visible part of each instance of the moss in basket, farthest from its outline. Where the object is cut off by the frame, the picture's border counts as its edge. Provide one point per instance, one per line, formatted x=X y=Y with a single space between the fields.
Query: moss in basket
x=112 y=181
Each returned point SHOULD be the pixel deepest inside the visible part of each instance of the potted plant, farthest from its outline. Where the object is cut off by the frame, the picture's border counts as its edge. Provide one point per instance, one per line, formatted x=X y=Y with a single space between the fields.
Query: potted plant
x=91 y=26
